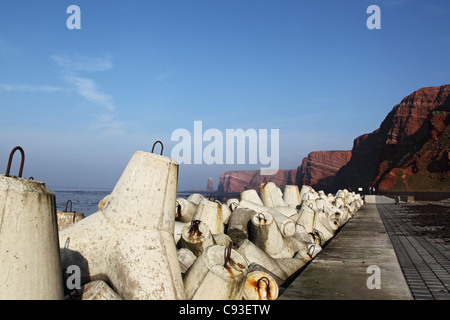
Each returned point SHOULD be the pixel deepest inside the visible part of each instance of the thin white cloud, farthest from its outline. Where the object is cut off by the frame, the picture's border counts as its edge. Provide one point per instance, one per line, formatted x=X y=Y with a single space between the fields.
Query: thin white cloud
x=8 y=50
x=32 y=88
x=108 y=125
x=72 y=68
x=87 y=88
x=81 y=63
x=163 y=79
x=164 y=76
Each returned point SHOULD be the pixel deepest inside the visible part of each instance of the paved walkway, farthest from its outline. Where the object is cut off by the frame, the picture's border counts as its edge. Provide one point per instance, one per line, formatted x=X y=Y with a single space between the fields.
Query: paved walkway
x=380 y=234
x=425 y=261
x=347 y=267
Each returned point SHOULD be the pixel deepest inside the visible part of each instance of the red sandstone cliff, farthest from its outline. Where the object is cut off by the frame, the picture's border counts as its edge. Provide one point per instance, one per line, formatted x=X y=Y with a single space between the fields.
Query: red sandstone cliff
x=209 y=184
x=410 y=150
x=319 y=168
x=238 y=181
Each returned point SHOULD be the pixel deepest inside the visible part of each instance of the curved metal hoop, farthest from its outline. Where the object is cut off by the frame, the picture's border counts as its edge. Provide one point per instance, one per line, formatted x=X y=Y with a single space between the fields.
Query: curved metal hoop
x=162 y=147
x=267 y=282
x=67 y=203
x=8 y=168
x=227 y=254
x=261 y=218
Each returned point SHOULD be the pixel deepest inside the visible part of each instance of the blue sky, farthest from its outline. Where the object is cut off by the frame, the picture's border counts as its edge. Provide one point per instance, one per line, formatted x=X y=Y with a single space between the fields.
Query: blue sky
x=81 y=102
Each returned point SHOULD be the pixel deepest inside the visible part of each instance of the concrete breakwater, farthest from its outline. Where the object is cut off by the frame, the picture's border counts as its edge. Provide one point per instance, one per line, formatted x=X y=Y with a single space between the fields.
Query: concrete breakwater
x=145 y=243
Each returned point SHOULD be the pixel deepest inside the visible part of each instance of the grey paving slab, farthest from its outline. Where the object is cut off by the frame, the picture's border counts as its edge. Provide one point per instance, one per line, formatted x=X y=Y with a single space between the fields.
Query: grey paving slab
x=341 y=270
x=385 y=236
x=426 y=256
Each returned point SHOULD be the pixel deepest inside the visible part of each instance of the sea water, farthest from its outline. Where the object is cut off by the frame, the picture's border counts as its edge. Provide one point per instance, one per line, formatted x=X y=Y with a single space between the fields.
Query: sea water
x=86 y=201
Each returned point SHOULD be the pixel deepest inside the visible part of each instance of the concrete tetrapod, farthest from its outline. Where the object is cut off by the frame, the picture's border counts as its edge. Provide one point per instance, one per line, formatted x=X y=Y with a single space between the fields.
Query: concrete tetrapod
x=177 y=230
x=274 y=197
x=185 y=210
x=238 y=223
x=29 y=250
x=336 y=216
x=292 y=265
x=285 y=224
x=102 y=202
x=313 y=218
x=340 y=202
x=304 y=236
x=195 y=198
x=256 y=267
x=256 y=255
x=264 y=233
x=223 y=239
x=226 y=212
x=251 y=195
x=271 y=195
x=196 y=237
x=323 y=228
x=312 y=221
x=286 y=211
x=307 y=217
x=304 y=250
x=331 y=199
x=130 y=242
x=210 y=213
x=322 y=203
x=219 y=273
x=291 y=196
x=99 y=290
x=352 y=208
x=340 y=215
x=327 y=217
x=260 y=285
x=67 y=218
x=337 y=205
x=305 y=190
x=232 y=203
x=186 y=258
x=304 y=253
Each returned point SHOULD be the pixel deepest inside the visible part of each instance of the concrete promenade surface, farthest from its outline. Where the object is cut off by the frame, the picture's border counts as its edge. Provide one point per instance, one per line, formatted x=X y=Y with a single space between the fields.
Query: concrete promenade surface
x=348 y=266
x=424 y=257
